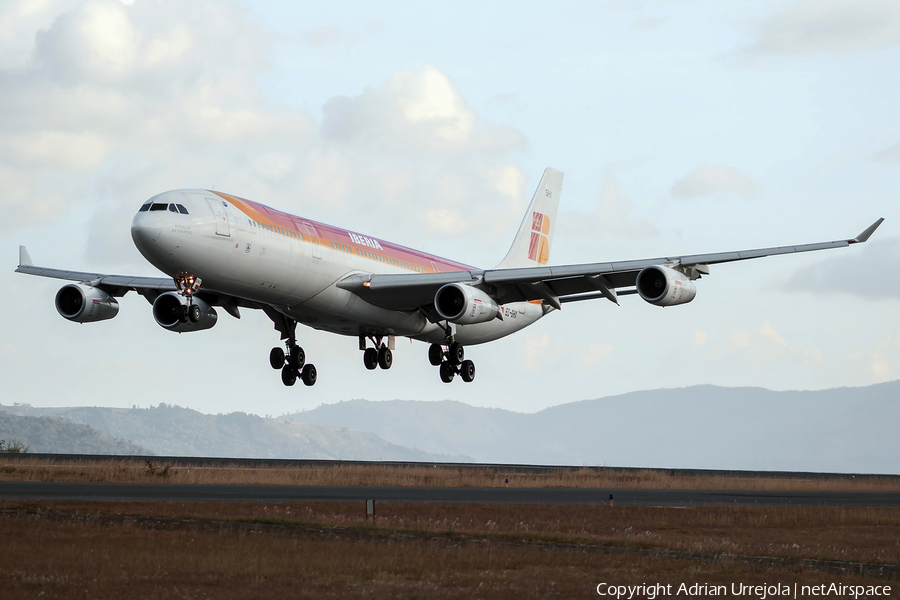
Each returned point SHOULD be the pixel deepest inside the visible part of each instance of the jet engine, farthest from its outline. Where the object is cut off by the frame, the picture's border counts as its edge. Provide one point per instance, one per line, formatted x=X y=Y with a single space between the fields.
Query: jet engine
x=172 y=311
x=663 y=286
x=465 y=304
x=85 y=304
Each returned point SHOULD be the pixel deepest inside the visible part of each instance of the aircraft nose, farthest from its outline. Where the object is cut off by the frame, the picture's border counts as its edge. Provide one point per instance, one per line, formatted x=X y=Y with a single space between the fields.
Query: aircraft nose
x=145 y=229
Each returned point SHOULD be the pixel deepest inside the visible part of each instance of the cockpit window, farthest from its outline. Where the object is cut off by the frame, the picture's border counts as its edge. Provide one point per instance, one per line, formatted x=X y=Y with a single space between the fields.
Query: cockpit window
x=172 y=208
x=182 y=209
x=158 y=206
x=144 y=208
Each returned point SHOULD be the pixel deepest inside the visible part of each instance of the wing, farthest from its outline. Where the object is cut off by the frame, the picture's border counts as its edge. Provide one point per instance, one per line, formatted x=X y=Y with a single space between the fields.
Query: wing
x=114 y=285
x=555 y=285
x=119 y=285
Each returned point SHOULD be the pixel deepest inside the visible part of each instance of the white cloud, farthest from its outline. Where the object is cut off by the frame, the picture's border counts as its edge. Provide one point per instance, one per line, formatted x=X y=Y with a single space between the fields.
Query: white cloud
x=647 y=23
x=707 y=180
x=595 y=355
x=120 y=102
x=700 y=338
x=768 y=331
x=867 y=270
x=829 y=26
x=612 y=216
x=96 y=42
x=891 y=154
x=539 y=352
x=328 y=35
x=446 y=221
x=60 y=149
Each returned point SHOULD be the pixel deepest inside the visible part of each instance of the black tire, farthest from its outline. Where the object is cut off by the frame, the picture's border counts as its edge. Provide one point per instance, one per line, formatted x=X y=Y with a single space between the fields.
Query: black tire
x=182 y=314
x=194 y=313
x=467 y=371
x=435 y=355
x=457 y=354
x=276 y=358
x=297 y=358
x=385 y=358
x=370 y=358
x=288 y=375
x=447 y=372
x=309 y=375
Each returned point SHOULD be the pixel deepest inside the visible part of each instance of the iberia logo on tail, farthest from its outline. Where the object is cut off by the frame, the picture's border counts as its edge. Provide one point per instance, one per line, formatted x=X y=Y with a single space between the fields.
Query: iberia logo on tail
x=539 y=248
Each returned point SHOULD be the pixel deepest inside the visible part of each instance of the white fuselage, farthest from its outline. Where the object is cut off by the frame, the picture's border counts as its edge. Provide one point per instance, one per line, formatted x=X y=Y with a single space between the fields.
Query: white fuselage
x=246 y=250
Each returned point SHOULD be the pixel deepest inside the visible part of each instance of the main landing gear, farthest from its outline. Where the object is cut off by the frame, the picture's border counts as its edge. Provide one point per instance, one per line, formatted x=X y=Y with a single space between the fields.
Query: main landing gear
x=293 y=362
x=379 y=356
x=451 y=360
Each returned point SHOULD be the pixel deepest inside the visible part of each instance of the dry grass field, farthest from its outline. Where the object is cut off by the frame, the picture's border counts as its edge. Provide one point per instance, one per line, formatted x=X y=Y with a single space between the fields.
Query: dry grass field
x=330 y=550
x=137 y=471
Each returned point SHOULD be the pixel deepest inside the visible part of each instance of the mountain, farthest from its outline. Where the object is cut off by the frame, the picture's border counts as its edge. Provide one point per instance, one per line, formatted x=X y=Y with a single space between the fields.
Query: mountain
x=837 y=430
x=175 y=431
x=56 y=435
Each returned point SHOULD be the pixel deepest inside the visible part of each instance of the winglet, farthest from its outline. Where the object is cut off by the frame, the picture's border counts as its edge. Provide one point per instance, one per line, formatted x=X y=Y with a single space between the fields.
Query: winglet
x=868 y=232
x=24 y=258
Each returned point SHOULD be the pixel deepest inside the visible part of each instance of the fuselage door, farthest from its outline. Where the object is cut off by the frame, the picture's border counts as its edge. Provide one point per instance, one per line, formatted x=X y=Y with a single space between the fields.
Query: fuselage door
x=218 y=209
x=314 y=237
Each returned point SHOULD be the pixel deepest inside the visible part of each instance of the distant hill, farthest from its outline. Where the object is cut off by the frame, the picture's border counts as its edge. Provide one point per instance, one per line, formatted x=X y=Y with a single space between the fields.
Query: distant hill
x=836 y=430
x=56 y=435
x=176 y=431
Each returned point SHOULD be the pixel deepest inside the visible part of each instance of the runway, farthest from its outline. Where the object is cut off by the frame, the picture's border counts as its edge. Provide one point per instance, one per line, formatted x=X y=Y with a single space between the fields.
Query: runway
x=174 y=492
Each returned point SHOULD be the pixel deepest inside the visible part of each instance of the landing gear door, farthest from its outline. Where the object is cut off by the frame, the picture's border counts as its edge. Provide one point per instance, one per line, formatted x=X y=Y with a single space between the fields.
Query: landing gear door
x=314 y=238
x=221 y=217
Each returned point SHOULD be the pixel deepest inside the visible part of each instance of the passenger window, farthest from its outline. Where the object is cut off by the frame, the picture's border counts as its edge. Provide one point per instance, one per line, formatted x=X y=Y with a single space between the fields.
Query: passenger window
x=182 y=209
x=144 y=208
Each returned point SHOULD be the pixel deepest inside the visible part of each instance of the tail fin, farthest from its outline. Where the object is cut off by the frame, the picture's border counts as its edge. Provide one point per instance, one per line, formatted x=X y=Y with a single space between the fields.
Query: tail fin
x=531 y=248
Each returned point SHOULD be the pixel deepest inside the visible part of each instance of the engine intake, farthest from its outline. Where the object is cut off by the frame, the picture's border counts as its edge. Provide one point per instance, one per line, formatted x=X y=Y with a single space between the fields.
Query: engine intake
x=465 y=304
x=663 y=286
x=172 y=311
x=85 y=304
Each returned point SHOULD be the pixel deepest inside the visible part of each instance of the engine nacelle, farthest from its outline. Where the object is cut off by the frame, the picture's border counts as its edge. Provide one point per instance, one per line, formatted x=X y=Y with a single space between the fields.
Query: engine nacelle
x=170 y=312
x=85 y=304
x=465 y=304
x=663 y=286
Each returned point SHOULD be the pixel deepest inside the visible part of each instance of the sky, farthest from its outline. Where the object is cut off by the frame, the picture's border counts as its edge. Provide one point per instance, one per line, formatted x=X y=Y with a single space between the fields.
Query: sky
x=681 y=126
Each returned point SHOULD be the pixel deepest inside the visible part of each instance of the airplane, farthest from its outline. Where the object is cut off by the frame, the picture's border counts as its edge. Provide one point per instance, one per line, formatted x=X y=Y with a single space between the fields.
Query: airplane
x=220 y=250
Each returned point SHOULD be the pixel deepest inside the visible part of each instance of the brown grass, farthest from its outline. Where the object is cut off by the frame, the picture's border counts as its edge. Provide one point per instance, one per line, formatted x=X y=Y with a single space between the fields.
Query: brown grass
x=136 y=471
x=870 y=535
x=77 y=554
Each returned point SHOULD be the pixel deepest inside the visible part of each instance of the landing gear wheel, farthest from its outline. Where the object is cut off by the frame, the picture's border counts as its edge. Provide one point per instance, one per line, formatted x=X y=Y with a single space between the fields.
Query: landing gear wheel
x=467 y=371
x=194 y=313
x=297 y=358
x=447 y=372
x=309 y=375
x=276 y=358
x=385 y=357
x=183 y=314
x=435 y=354
x=457 y=354
x=370 y=358
x=288 y=375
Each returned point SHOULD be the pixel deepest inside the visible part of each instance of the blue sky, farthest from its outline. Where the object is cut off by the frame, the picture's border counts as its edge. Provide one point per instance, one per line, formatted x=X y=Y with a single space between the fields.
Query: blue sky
x=681 y=126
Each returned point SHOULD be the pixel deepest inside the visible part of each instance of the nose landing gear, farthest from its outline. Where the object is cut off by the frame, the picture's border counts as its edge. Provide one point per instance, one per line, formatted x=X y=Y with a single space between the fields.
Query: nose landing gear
x=452 y=362
x=187 y=286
